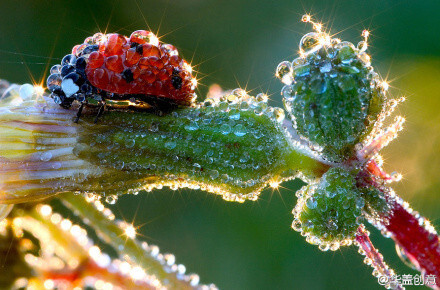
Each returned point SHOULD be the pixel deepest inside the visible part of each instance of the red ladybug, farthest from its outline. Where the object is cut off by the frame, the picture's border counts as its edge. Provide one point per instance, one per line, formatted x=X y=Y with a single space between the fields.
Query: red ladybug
x=113 y=67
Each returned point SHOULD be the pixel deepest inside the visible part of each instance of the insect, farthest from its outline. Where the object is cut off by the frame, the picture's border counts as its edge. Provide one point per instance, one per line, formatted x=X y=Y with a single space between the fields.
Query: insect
x=110 y=68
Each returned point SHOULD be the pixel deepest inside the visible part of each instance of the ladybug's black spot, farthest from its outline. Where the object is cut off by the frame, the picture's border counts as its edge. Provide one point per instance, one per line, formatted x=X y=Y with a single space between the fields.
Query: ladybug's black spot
x=139 y=49
x=176 y=81
x=81 y=63
x=127 y=75
x=138 y=46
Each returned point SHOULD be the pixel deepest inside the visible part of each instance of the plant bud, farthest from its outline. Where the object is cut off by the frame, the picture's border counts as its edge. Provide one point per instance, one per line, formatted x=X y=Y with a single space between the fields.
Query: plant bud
x=329 y=212
x=332 y=94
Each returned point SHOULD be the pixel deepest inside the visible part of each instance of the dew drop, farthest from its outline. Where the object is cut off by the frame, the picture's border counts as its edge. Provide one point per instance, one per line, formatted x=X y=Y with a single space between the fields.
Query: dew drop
x=130 y=143
x=234 y=114
x=262 y=98
x=223 y=106
x=56 y=69
x=245 y=157
x=244 y=106
x=360 y=202
x=225 y=129
x=311 y=203
x=192 y=126
x=287 y=91
x=154 y=127
x=214 y=174
x=404 y=257
x=334 y=246
x=46 y=156
x=318 y=86
x=284 y=72
x=240 y=130
x=331 y=225
x=309 y=42
x=53 y=80
x=111 y=199
x=26 y=91
x=346 y=83
x=170 y=144
x=325 y=67
x=324 y=247
x=296 y=225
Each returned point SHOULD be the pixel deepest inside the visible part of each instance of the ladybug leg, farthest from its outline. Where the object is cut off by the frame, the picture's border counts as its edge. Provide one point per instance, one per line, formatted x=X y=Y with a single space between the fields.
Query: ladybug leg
x=162 y=106
x=78 y=115
x=100 y=112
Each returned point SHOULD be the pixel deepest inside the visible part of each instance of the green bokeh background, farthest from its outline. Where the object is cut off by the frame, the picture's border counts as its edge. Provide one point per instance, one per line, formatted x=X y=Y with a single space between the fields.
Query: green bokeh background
x=239 y=43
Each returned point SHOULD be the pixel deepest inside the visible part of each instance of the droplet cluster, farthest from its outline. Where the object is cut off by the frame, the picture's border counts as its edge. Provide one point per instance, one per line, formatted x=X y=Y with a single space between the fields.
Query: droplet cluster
x=138 y=68
x=65 y=256
x=375 y=259
x=332 y=93
x=167 y=261
x=329 y=212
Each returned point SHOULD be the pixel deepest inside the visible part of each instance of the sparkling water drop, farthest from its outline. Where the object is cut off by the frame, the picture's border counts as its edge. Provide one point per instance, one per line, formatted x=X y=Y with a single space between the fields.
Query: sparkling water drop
x=234 y=114
x=26 y=91
x=309 y=42
x=192 y=126
x=284 y=72
x=46 y=156
x=240 y=130
x=262 y=98
x=404 y=257
x=346 y=83
x=318 y=85
x=296 y=225
x=279 y=114
x=214 y=174
x=311 y=203
x=331 y=225
x=111 y=199
x=325 y=67
x=225 y=129
x=170 y=144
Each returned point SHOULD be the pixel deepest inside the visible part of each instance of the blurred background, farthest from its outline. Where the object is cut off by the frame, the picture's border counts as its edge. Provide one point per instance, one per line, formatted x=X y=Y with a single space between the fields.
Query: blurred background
x=238 y=44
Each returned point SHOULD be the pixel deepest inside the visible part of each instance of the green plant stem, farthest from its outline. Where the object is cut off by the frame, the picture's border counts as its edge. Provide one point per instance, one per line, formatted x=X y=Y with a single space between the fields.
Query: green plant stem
x=229 y=152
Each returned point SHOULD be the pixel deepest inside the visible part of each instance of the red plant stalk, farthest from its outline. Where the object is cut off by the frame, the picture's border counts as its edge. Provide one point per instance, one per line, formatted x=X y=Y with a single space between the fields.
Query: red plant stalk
x=413 y=234
x=375 y=259
x=417 y=239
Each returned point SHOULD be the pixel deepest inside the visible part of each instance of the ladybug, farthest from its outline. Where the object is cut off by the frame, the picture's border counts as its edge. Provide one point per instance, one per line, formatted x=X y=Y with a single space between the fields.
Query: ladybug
x=110 y=68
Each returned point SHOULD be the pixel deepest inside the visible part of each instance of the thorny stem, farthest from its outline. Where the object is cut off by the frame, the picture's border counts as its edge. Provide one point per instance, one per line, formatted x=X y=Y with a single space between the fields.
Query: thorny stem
x=126 y=247
x=375 y=259
x=416 y=237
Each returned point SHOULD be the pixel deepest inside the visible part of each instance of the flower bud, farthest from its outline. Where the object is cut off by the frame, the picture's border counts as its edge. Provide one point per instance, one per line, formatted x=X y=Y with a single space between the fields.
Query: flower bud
x=329 y=212
x=333 y=94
